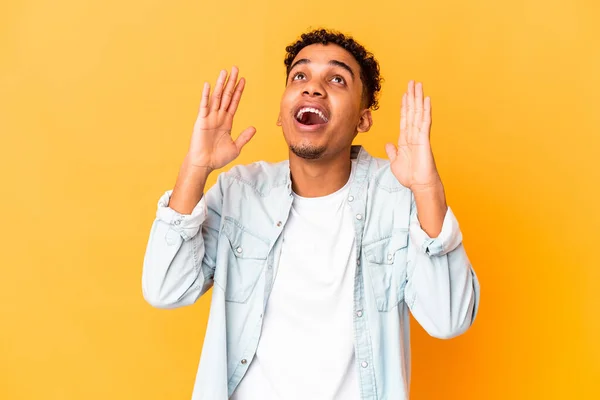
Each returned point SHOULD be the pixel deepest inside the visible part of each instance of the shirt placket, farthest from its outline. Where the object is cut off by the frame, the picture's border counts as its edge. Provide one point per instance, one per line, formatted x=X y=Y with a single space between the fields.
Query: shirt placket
x=362 y=346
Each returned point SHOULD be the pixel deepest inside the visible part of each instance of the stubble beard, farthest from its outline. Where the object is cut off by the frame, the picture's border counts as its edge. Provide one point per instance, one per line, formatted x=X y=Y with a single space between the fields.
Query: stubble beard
x=307 y=151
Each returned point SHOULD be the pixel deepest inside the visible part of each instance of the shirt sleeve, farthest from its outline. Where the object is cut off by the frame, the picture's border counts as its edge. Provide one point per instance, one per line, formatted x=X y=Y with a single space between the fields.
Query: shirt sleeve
x=187 y=225
x=442 y=290
x=180 y=259
x=448 y=239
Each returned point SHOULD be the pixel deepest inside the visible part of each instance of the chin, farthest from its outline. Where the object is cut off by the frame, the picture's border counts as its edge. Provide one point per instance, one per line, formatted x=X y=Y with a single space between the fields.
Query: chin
x=307 y=151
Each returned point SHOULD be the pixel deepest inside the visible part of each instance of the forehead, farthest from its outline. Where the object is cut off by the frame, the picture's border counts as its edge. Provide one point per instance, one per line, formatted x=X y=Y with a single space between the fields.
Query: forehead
x=322 y=54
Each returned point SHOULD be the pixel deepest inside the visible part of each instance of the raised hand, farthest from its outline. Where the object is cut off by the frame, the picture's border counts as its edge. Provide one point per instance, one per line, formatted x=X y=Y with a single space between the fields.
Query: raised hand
x=412 y=162
x=212 y=146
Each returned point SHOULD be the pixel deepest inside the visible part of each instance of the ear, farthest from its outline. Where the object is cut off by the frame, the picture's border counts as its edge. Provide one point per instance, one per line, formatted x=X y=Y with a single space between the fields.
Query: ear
x=278 y=123
x=365 y=122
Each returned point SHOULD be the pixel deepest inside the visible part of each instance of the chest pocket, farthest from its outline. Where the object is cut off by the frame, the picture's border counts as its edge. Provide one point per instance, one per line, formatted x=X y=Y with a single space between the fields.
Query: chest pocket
x=246 y=257
x=386 y=266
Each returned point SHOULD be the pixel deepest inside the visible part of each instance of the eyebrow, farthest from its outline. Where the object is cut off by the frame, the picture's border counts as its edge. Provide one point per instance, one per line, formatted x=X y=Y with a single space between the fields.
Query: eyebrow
x=335 y=63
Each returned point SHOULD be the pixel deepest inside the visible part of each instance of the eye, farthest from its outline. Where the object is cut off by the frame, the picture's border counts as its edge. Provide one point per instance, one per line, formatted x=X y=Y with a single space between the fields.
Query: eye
x=298 y=74
x=339 y=79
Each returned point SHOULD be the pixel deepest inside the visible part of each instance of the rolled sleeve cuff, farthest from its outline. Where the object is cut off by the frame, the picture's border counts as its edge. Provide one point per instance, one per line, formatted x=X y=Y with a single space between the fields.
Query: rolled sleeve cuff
x=187 y=225
x=449 y=238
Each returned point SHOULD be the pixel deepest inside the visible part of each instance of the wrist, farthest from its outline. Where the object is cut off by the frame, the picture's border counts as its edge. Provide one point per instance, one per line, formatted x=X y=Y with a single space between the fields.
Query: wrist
x=192 y=176
x=189 y=187
x=430 y=201
x=433 y=187
x=196 y=167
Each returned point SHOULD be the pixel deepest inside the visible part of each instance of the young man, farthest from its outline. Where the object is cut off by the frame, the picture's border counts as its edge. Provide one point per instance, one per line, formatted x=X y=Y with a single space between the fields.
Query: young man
x=316 y=261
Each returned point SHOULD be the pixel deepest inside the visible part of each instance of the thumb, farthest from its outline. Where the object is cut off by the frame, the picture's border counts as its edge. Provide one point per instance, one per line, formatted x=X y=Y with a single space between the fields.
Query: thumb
x=391 y=151
x=244 y=137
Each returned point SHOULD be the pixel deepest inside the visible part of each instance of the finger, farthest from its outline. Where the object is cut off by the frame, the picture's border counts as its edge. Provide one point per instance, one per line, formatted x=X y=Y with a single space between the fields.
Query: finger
x=218 y=92
x=391 y=151
x=244 y=137
x=229 y=88
x=418 y=104
x=237 y=95
x=402 y=137
x=426 y=126
x=203 y=112
x=410 y=117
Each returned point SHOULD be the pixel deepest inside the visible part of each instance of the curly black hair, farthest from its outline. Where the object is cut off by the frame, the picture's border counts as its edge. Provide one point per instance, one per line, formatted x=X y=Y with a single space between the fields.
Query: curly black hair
x=369 y=67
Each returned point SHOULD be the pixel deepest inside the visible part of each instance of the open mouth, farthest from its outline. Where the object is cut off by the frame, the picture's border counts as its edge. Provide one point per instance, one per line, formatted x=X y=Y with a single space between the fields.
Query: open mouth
x=311 y=116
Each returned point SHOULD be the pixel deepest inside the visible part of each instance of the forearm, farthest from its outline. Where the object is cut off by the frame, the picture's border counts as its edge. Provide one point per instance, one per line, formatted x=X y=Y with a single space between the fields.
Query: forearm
x=431 y=208
x=189 y=187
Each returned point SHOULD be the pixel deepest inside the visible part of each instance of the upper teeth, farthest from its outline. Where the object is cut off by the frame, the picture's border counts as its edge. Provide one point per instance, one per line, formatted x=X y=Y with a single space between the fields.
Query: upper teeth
x=312 y=110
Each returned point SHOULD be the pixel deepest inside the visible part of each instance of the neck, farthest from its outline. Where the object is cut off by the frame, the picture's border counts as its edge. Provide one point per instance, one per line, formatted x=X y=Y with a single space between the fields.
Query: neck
x=316 y=178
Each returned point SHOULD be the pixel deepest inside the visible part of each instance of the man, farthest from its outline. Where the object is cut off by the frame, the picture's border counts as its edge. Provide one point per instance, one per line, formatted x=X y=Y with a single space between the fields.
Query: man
x=316 y=261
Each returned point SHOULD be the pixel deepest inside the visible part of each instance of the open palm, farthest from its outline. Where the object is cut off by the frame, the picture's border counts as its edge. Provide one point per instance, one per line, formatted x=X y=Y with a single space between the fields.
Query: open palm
x=212 y=146
x=412 y=161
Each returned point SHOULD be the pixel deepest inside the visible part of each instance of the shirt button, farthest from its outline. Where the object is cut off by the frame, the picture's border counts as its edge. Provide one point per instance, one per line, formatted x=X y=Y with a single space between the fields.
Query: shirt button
x=177 y=222
x=364 y=364
x=358 y=262
x=390 y=256
x=278 y=223
x=350 y=198
x=359 y=216
x=239 y=250
x=244 y=361
x=359 y=313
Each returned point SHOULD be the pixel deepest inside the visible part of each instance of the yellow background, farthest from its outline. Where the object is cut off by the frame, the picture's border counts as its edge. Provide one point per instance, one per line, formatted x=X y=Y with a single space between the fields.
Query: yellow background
x=97 y=102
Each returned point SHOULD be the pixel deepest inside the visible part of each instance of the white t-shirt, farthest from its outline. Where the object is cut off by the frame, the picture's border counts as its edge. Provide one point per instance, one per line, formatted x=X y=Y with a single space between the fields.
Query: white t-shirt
x=306 y=349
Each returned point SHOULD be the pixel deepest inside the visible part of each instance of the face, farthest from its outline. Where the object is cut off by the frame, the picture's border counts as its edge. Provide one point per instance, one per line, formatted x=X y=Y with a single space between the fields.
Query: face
x=322 y=108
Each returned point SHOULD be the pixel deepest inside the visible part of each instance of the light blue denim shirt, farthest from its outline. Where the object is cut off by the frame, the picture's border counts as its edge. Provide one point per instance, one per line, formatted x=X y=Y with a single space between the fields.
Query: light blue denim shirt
x=232 y=242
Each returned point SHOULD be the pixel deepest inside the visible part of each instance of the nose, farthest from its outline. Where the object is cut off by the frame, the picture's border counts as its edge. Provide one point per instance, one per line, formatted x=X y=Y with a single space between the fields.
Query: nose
x=313 y=93
x=313 y=89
